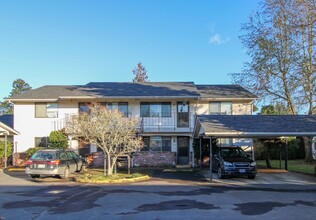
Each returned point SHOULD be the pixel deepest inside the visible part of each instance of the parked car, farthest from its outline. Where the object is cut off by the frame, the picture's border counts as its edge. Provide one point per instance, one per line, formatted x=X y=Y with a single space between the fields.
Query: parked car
x=233 y=161
x=54 y=162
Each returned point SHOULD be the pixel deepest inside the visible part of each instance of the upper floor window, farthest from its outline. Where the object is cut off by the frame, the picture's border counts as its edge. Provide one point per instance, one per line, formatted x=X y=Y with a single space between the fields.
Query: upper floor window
x=155 y=109
x=84 y=106
x=46 y=110
x=122 y=106
x=220 y=108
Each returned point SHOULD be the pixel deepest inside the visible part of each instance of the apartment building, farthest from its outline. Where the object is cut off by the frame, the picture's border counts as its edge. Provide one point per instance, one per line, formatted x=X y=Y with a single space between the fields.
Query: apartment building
x=167 y=111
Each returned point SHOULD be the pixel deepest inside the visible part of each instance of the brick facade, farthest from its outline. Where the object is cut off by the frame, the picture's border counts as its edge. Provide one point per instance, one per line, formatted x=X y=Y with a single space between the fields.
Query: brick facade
x=153 y=159
x=139 y=159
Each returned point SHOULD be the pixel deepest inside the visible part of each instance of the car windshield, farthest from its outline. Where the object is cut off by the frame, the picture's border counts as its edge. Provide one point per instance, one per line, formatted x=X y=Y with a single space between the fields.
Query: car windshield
x=232 y=152
x=45 y=155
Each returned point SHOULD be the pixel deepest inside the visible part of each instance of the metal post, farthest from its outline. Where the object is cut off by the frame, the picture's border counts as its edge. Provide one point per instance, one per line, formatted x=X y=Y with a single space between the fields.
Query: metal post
x=280 y=164
x=200 y=154
x=211 y=160
x=16 y=153
x=286 y=154
x=5 y=150
x=129 y=164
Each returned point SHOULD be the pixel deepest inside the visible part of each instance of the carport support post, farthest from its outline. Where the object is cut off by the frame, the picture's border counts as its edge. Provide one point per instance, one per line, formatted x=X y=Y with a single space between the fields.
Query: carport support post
x=200 y=154
x=5 y=150
x=286 y=154
x=211 y=160
x=129 y=164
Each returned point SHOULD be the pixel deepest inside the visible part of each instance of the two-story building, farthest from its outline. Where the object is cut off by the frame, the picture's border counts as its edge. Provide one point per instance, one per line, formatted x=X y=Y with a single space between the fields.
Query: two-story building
x=167 y=111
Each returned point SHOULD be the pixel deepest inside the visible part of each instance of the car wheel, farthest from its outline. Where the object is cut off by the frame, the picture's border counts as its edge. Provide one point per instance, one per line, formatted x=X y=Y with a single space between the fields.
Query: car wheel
x=220 y=173
x=35 y=176
x=251 y=177
x=66 y=173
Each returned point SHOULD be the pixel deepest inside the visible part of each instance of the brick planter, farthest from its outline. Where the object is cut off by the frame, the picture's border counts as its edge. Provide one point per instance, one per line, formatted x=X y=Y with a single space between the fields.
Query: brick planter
x=153 y=159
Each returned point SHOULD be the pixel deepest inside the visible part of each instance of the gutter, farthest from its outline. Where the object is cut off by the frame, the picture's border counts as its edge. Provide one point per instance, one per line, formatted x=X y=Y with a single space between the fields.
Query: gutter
x=228 y=99
x=31 y=100
x=258 y=134
x=128 y=97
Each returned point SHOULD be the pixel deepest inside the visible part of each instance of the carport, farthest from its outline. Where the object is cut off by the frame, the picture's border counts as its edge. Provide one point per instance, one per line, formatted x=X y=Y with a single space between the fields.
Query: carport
x=253 y=126
x=6 y=131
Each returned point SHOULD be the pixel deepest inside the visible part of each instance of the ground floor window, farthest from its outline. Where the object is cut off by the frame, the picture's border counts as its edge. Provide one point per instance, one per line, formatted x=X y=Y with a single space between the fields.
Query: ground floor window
x=157 y=143
x=225 y=142
x=41 y=141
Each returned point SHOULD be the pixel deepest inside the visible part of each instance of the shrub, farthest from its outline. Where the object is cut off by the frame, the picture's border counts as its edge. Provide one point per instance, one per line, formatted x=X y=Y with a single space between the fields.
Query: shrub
x=295 y=149
x=9 y=152
x=31 y=151
x=57 y=139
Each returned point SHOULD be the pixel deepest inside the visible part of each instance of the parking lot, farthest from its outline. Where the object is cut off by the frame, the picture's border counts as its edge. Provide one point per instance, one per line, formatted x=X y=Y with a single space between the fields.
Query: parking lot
x=167 y=195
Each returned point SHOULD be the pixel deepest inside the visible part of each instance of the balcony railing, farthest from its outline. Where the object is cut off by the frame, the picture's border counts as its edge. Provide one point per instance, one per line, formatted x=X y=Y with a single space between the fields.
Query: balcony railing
x=182 y=121
x=176 y=122
x=61 y=123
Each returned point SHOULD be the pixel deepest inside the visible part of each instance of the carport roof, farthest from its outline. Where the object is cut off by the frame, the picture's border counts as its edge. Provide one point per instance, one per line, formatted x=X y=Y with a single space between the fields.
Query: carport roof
x=255 y=125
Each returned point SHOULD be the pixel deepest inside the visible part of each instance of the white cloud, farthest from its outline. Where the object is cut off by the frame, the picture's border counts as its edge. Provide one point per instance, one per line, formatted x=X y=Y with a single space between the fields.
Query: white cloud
x=218 y=39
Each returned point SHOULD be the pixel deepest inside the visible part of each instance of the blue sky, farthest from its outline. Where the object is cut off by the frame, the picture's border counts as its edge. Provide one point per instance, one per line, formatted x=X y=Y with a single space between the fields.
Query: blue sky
x=75 y=42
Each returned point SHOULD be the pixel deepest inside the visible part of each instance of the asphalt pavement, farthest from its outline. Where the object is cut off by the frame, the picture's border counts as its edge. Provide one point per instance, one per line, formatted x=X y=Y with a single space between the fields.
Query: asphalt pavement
x=170 y=194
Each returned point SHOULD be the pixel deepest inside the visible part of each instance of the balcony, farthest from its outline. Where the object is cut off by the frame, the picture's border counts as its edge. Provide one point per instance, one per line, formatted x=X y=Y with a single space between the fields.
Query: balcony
x=61 y=123
x=177 y=122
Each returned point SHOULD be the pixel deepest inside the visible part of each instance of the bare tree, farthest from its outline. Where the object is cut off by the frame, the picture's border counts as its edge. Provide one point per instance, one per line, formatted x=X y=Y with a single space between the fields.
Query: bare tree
x=303 y=16
x=280 y=39
x=108 y=129
x=140 y=73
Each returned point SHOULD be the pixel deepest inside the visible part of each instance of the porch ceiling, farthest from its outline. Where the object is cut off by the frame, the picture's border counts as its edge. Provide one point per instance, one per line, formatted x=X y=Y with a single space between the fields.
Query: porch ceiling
x=248 y=126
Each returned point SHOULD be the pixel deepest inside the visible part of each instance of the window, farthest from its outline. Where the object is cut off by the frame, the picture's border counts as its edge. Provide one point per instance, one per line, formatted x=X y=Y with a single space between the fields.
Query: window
x=155 y=109
x=41 y=141
x=157 y=143
x=220 y=108
x=46 y=110
x=224 y=142
x=122 y=106
x=84 y=106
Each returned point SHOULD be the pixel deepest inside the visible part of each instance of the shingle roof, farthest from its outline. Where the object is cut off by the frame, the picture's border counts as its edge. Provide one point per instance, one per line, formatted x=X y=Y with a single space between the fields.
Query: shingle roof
x=7 y=120
x=148 y=89
x=114 y=89
x=224 y=91
x=6 y=123
x=129 y=89
x=257 y=125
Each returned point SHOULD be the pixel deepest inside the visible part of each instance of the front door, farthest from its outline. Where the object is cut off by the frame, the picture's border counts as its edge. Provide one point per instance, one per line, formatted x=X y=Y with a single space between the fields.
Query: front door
x=183 y=150
x=183 y=114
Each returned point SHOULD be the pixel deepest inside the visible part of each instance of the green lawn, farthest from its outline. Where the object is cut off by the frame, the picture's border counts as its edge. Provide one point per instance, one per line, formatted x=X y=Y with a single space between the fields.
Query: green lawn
x=293 y=165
